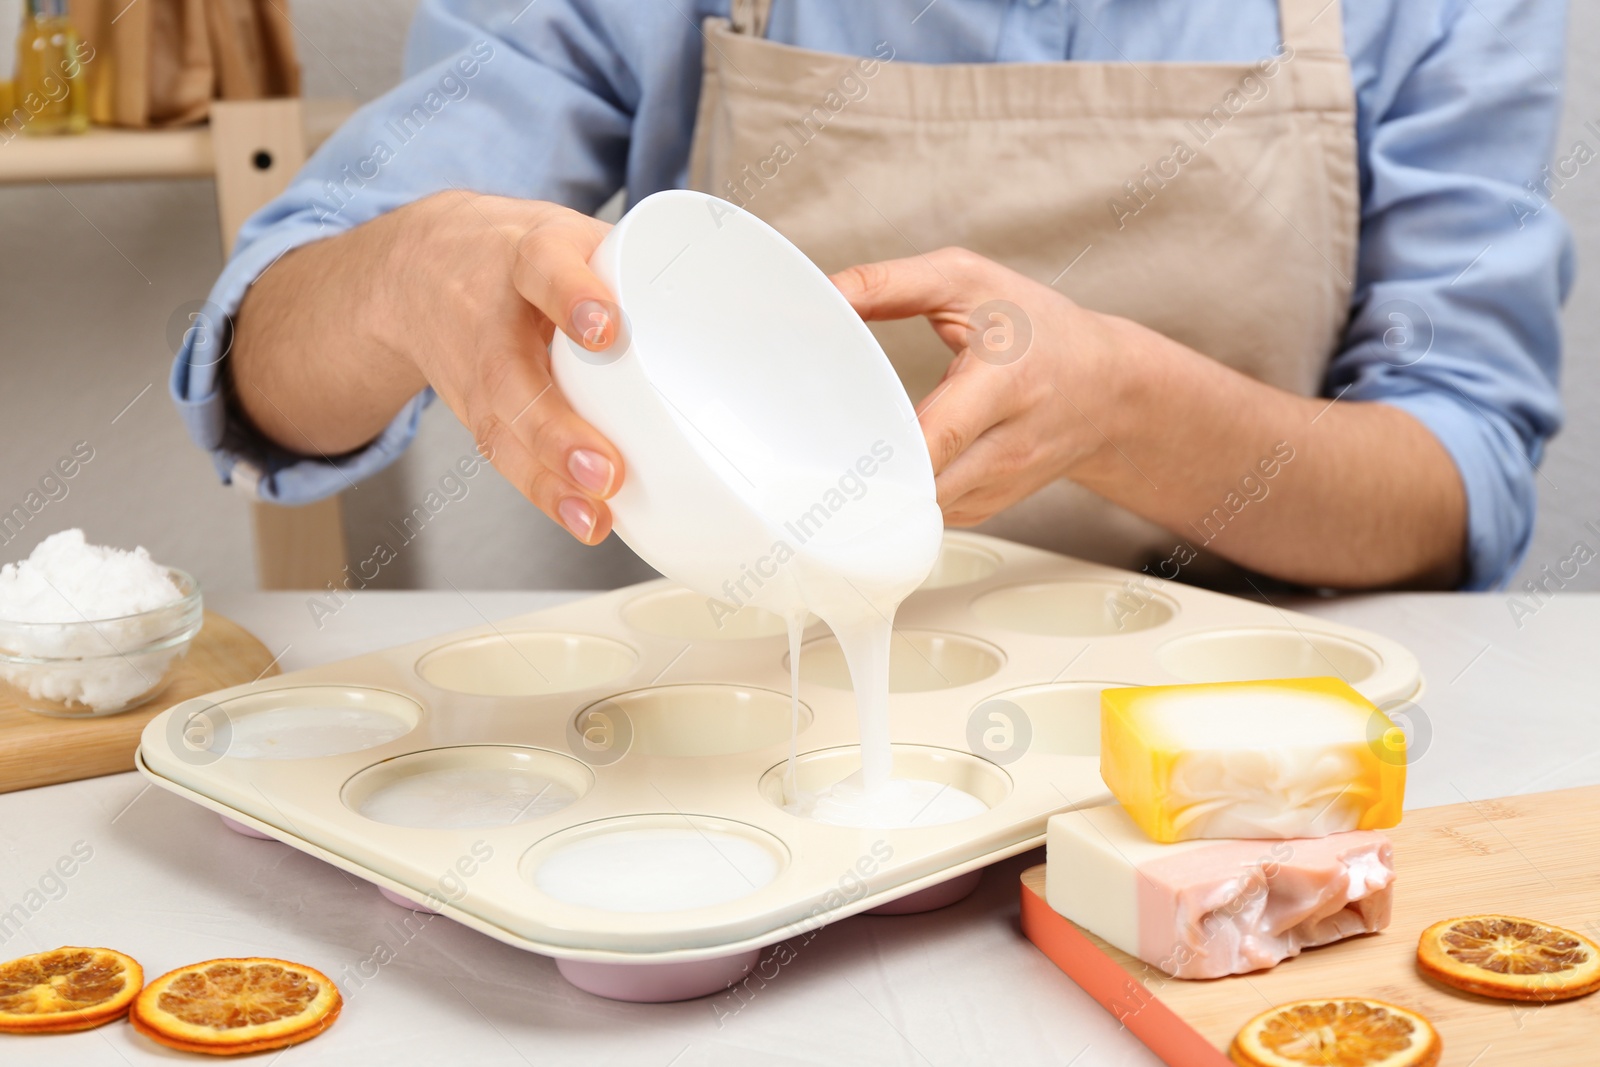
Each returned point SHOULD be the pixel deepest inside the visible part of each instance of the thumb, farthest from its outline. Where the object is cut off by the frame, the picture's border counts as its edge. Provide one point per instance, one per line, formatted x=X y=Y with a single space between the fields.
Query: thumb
x=552 y=273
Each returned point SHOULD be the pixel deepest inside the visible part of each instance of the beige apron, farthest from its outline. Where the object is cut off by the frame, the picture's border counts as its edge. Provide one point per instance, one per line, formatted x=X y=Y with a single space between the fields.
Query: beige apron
x=1216 y=203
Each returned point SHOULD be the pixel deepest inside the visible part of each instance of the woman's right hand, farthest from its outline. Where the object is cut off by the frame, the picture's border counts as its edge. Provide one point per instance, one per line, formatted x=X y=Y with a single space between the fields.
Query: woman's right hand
x=481 y=283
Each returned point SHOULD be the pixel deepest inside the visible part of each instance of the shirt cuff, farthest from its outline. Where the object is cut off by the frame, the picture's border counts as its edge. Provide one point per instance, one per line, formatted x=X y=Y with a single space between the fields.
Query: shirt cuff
x=242 y=456
x=1497 y=476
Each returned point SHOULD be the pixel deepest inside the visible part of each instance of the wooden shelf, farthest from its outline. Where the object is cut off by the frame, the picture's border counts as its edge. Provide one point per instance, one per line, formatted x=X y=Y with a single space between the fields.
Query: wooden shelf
x=251 y=149
x=105 y=154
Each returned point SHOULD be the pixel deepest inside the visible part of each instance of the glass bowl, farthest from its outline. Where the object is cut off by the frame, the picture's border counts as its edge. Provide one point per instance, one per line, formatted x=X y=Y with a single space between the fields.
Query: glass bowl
x=98 y=667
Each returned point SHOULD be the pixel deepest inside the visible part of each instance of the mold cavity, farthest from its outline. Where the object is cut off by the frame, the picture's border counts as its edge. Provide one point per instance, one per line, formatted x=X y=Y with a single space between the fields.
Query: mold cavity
x=471 y=786
x=1063 y=718
x=1253 y=655
x=526 y=664
x=685 y=614
x=927 y=787
x=303 y=722
x=961 y=562
x=919 y=660
x=1073 y=609
x=654 y=863
x=696 y=720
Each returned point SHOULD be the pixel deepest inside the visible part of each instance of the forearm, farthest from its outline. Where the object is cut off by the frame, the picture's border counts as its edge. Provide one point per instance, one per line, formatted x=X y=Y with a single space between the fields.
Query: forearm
x=1369 y=498
x=310 y=365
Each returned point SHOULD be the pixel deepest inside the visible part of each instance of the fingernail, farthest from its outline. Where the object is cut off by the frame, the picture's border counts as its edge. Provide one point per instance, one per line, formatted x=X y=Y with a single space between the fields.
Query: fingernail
x=578 y=517
x=591 y=470
x=591 y=325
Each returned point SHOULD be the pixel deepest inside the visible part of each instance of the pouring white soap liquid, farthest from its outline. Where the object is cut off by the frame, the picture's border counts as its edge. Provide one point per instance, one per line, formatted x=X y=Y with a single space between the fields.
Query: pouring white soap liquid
x=853 y=574
x=765 y=430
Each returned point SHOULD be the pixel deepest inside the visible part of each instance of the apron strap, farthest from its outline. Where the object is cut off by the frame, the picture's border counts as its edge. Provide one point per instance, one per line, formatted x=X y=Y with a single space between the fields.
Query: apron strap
x=750 y=16
x=1307 y=25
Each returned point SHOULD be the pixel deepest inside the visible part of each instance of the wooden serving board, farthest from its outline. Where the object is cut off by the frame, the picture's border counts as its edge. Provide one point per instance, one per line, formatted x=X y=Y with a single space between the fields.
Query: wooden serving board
x=1537 y=856
x=43 y=750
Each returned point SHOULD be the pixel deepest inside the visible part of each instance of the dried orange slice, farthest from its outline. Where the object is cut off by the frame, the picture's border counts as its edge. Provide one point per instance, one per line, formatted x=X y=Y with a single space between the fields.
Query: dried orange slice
x=1510 y=958
x=227 y=1007
x=1342 y=1032
x=67 y=989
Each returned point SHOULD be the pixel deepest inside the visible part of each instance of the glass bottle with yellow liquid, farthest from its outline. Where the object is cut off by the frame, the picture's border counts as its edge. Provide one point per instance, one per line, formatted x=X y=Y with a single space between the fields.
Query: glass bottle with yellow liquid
x=50 y=93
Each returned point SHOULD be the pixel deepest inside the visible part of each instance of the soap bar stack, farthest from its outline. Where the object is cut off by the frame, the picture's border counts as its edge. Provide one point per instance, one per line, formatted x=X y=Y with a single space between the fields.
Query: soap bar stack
x=1245 y=829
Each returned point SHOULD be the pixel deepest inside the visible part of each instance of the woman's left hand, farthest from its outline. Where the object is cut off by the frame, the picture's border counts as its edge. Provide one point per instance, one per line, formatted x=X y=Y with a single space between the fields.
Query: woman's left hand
x=1032 y=392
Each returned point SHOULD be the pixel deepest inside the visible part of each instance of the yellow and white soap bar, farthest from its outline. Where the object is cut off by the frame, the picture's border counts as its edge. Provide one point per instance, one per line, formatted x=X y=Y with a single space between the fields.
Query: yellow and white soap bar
x=1300 y=757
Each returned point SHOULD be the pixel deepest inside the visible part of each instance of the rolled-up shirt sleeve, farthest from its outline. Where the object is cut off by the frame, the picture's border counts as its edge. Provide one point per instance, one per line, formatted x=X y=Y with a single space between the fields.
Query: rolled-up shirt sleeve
x=535 y=105
x=1464 y=262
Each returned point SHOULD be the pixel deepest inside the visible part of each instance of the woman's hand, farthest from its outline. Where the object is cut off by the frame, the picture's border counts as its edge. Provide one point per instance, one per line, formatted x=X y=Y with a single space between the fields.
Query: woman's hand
x=1033 y=383
x=1043 y=389
x=458 y=291
x=513 y=272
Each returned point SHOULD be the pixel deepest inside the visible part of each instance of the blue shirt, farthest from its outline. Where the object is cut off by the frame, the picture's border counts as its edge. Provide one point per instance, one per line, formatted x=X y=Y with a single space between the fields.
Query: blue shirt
x=1463 y=261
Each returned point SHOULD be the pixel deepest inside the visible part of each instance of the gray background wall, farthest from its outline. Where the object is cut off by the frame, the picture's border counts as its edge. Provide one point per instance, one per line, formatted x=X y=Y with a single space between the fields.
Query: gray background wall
x=90 y=275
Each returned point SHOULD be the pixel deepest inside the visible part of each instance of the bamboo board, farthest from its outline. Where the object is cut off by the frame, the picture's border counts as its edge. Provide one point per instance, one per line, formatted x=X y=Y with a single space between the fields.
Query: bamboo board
x=1536 y=856
x=42 y=750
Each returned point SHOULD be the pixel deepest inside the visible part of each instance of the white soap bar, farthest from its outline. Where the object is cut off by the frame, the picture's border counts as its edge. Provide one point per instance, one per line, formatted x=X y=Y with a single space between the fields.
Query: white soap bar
x=1204 y=909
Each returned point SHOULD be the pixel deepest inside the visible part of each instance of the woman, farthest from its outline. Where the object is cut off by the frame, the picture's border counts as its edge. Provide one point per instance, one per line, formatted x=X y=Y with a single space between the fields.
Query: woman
x=1272 y=283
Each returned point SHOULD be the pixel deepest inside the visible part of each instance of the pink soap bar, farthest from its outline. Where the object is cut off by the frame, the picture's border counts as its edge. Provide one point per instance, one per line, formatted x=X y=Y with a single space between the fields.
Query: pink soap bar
x=1208 y=908
x=1235 y=907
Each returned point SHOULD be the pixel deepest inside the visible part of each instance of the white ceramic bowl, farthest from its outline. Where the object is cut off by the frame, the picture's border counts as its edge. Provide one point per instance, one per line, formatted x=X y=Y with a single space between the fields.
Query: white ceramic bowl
x=749 y=401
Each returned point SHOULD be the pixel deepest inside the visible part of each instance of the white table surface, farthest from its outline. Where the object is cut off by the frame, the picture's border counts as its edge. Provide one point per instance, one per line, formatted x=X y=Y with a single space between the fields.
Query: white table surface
x=1510 y=710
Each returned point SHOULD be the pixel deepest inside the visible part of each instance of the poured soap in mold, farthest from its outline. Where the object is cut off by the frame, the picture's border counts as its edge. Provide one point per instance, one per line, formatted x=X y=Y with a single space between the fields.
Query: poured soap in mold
x=308 y=732
x=656 y=869
x=451 y=798
x=900 y=803
x=927 y=786
x=472 y=786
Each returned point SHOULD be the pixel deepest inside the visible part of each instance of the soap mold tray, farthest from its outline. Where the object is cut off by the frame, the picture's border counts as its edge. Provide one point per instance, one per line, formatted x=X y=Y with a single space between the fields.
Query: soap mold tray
x=642 y=708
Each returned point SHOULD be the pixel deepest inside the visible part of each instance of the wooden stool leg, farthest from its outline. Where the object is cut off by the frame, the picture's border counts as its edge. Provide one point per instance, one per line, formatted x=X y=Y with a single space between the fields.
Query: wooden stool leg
x=299 y=548
x=259 y=145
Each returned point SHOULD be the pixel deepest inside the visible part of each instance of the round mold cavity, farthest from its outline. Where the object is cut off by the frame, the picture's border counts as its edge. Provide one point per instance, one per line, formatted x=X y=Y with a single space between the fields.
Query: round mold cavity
x=824 y=768
x=299 y=722
x=934 y=897
x=468 y=787
x=685 y=614
x=1073 y=609
x=961 y=562
x=526 y=663
x=654 y=864
x=1249 y=655
x=700 y=719
x=919 y=661
x=1059 y=718
x=658 y=983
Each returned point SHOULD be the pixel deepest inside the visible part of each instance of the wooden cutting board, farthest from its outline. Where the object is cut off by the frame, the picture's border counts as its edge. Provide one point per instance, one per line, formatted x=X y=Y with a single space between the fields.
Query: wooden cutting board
x=1537 y=856
x=42 y=750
